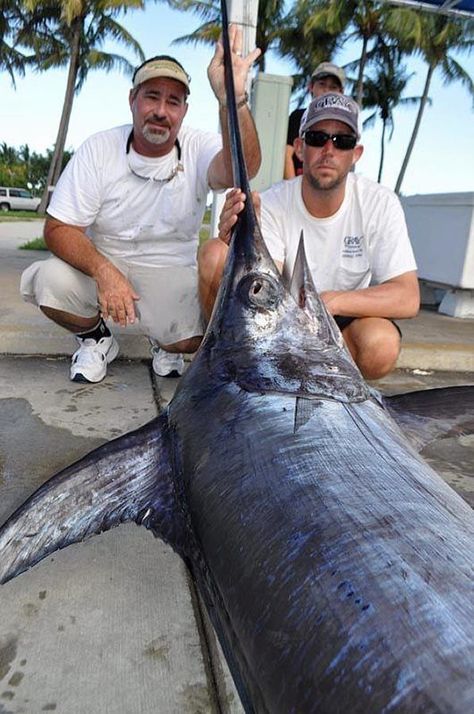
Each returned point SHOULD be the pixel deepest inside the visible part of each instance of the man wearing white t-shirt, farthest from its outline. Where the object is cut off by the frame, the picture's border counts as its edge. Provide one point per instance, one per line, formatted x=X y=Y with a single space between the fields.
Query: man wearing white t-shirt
x=123 y=223
x=355 y=237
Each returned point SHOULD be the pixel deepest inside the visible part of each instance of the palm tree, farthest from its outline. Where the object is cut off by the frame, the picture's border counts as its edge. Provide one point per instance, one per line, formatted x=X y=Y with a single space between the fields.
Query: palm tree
x=16 y=21
x=8 y=154
x=78 y=28
x=351 y=19
x=306 y=44
x=11 y=59
x=271 y=18
x=384 y=92
x=436 y=38
x=286 y=34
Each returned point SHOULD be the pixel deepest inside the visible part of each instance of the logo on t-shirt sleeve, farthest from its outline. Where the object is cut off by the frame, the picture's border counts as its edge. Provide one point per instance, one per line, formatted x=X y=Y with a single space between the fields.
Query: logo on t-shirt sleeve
x=353 y=246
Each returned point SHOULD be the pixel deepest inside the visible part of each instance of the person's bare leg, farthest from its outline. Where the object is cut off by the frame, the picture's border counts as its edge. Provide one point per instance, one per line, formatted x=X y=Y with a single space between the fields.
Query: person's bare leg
x=374 y=344
x=211 y=260
x=184 y=346
x=73 y=323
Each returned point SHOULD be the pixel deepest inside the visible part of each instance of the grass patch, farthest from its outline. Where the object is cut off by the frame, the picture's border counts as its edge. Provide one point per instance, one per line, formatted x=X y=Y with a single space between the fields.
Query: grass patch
x=6 y=216
x=33 y=244
x=204 y=234
x=205 y=231
x=39 y=244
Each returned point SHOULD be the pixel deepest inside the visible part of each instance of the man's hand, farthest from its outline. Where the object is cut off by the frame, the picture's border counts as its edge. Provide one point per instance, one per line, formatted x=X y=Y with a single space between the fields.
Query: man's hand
x=234 y=204
x=240 y=65
x=116 y=295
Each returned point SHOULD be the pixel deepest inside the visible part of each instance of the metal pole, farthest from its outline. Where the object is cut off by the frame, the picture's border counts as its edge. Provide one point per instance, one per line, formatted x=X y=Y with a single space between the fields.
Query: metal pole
x=244 y=13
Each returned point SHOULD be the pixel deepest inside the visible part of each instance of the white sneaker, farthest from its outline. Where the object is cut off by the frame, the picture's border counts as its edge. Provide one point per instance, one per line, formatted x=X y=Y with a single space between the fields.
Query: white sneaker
x=167 y=364
x=89 y=362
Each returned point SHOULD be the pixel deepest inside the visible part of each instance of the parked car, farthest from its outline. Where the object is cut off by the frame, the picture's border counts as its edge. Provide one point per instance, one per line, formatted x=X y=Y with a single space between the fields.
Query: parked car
x=17 y=199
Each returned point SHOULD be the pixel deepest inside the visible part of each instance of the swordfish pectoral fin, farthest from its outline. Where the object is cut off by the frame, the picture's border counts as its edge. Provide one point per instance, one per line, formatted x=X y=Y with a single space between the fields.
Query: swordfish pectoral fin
x=128 y=479
x=431 y=414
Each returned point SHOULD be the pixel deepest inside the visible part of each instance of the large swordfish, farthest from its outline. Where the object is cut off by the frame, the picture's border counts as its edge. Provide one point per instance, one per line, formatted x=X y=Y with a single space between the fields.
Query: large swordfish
x=337 y=567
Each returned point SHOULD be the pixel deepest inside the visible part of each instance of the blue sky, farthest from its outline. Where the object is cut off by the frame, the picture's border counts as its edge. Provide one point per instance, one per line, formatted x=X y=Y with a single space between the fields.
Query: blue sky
x=443 y=157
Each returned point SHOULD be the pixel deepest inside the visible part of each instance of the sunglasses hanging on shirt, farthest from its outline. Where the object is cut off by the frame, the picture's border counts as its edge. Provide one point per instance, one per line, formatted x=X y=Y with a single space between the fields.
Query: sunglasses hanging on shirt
x=179 y=166
x=343 y=142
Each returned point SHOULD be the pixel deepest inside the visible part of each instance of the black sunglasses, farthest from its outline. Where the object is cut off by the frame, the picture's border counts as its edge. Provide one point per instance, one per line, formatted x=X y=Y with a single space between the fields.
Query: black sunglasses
x=343 y=142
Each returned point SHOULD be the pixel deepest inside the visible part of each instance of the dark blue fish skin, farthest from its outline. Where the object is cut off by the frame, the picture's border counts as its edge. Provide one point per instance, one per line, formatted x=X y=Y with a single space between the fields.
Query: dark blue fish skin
x=338 y=563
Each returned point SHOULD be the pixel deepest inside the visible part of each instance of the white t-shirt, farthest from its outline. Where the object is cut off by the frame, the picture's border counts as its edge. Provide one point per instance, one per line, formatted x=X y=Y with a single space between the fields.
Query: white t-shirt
x=139 y=220
x=366 y=242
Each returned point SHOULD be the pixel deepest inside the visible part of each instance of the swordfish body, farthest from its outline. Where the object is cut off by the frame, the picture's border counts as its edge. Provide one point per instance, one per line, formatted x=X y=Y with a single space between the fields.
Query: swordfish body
x=337 y=567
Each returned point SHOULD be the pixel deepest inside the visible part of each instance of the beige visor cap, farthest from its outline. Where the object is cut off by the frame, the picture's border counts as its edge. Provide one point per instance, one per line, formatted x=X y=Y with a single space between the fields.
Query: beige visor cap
x=161 y=67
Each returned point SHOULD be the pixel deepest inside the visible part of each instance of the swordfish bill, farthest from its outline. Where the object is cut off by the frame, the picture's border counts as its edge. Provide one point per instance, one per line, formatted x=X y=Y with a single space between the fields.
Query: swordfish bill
x=336 y=565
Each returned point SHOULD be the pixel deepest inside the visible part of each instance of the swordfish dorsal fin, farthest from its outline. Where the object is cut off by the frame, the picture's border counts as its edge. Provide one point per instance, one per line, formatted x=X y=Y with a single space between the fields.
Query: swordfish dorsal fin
x=298 y=285
x=305 y=294
x=127 y=479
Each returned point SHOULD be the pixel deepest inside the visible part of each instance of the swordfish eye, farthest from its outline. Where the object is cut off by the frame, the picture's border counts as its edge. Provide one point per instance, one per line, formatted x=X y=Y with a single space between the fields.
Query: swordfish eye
x=261 y=291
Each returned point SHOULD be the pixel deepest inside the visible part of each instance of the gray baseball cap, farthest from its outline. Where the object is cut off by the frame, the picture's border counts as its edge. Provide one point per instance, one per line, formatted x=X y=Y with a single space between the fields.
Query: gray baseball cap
x=328 y=69
x=331 y=106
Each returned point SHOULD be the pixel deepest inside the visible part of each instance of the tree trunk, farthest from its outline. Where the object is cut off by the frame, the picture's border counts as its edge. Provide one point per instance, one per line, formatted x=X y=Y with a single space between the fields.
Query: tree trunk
x=382 y=152
x=360 y=78
x=57 y=158
x=411 y=143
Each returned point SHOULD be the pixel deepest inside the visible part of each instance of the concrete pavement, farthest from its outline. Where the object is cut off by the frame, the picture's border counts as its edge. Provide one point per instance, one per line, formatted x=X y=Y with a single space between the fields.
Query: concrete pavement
x=114 y=625
x=107 y=625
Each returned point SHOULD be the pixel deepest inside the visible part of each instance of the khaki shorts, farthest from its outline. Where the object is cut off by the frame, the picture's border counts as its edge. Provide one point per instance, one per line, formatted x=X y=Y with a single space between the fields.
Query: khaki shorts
x=168 y=309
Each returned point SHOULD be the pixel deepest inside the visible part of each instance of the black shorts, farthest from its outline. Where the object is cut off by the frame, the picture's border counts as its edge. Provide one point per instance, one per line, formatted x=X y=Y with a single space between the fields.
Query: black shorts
x=342 y=322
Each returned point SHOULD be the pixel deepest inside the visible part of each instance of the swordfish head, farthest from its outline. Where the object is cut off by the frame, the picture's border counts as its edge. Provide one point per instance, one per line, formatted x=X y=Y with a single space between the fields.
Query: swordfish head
x=269 y=336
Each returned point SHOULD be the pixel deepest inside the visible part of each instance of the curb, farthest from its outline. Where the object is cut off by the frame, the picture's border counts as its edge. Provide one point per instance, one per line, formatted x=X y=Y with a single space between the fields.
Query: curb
x=442 y=357
x=438 y=357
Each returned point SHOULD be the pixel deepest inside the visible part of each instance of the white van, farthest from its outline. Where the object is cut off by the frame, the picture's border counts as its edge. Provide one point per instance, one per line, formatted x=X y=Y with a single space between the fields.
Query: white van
x=17 y=199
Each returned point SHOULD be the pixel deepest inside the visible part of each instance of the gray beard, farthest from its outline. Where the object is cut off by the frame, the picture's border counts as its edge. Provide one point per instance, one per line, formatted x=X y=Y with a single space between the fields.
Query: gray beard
x=156 y=137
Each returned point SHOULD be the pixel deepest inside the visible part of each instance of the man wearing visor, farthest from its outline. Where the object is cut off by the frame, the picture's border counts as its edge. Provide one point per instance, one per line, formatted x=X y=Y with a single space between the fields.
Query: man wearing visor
x=123 y=222
x=355 y=236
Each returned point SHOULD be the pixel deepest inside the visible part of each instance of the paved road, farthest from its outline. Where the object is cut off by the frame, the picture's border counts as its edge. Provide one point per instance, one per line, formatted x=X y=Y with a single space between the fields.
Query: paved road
x=15 y=233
